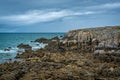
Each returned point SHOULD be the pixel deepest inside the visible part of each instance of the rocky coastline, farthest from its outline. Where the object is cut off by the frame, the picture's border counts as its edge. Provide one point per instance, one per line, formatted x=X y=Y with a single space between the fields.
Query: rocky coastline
x=84 y=54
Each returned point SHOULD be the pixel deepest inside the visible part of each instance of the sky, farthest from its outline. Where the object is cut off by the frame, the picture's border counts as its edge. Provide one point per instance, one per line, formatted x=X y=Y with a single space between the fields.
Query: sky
x=57 y=15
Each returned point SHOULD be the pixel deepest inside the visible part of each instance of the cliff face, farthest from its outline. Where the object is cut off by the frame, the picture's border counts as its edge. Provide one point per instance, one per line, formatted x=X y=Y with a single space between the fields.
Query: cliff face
x=96 y=37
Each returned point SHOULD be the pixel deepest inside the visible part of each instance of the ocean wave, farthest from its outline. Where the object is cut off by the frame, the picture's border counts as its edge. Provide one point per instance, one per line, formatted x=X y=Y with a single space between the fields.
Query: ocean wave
x=10 y=51
x=34 y=46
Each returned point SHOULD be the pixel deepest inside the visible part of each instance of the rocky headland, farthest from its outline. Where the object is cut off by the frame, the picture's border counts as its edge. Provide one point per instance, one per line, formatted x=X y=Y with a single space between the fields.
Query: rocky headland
x=84 y=54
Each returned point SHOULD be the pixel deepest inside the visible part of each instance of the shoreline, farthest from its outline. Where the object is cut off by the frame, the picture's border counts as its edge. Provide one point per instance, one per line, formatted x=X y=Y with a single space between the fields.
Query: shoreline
x=9 y=43
x=68 y=58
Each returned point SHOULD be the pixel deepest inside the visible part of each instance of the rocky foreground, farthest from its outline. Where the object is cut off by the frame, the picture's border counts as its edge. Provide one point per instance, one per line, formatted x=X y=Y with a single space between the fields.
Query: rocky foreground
x=85 y=54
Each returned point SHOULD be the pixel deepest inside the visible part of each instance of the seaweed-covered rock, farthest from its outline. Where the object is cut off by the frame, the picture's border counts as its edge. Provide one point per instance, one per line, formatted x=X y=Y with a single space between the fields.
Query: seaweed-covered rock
x=108 y=57
x=9 y=76
x=31 y=54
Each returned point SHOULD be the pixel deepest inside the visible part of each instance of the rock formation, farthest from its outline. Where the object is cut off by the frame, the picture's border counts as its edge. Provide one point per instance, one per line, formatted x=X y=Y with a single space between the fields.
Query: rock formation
x=75 y=57
x=42 y=40
x=25 y=46
x=94 y=38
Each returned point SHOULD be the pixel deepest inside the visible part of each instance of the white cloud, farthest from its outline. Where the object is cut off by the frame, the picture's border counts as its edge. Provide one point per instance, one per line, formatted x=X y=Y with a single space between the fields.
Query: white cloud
x=37 y=16
x=106 y=6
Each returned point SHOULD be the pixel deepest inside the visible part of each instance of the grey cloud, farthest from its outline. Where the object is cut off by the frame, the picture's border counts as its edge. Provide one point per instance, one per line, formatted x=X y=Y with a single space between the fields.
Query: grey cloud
x=37 y=16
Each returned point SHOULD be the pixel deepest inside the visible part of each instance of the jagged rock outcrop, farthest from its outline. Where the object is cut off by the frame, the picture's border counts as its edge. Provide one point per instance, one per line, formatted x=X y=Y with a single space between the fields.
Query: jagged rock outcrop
x=95 y=38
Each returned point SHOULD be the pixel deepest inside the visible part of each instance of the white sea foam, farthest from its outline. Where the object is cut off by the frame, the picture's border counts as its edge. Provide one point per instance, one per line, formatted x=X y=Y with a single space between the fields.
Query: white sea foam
x=10 y=51
x=36 y=45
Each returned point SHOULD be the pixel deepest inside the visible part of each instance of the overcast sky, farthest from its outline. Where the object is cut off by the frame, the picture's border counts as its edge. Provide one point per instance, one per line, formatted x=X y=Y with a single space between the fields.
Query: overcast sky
x=57 y=15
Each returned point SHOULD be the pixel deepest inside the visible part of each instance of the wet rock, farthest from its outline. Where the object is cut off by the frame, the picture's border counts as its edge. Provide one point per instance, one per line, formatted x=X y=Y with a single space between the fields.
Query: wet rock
x=24 y=46
x=42 y=40
x=31 y=41
x=6 y=49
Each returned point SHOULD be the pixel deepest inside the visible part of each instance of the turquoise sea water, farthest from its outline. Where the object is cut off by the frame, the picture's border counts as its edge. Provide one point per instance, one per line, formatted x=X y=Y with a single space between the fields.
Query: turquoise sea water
x=11 y=40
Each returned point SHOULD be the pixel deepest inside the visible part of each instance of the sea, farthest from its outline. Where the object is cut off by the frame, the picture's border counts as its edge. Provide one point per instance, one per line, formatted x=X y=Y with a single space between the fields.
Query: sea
x=10 y=41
